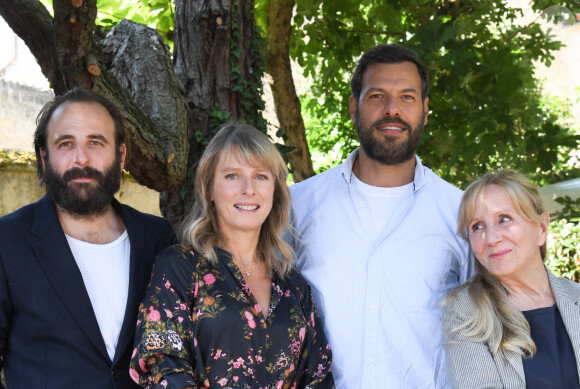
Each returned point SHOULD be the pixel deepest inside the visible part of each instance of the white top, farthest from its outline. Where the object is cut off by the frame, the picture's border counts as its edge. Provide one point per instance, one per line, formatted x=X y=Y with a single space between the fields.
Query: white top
x=379 y=294
x=384 y=203
x=105 y=271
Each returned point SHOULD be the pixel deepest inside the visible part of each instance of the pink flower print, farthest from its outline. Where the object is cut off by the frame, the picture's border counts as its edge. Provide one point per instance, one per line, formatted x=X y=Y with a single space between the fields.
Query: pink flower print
x=134 y=353
x=287 y=293
x=209 y=279
x=134 y=375
x=154 y=315
x=258 y=308
x=295 y=346
x=239 y=363
x=223 y=382
x=236 y=378
x=180 y=319
x=167 y=285
x=182 y=306
x=195 y=292
x=312 y=319
x=302 y=333
x=279 y=384
x=250 y=319
x=320 y=369
x=169 y=313
x=142 y=365
x=259 y=358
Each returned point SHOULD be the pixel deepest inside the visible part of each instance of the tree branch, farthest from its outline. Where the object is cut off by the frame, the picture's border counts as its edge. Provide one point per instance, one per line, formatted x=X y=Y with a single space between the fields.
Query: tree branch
x=73 y=30
x=139 y=78
x=283 y=89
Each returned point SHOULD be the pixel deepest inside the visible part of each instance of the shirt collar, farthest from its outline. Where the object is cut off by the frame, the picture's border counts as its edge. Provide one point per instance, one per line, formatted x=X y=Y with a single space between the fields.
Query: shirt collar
x=418 y=181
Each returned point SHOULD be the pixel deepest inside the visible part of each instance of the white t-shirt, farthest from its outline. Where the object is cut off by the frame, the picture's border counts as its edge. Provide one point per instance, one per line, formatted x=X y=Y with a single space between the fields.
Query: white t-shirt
x=105 y=272
x=383 y=202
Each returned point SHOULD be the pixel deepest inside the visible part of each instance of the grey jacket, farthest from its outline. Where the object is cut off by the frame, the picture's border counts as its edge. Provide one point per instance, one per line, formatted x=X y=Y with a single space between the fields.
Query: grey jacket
x=471 y=365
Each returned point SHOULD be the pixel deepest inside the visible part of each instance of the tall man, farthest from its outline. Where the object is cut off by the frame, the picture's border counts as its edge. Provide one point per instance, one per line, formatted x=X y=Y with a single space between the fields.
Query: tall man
x=74 y=265
x=376 y=235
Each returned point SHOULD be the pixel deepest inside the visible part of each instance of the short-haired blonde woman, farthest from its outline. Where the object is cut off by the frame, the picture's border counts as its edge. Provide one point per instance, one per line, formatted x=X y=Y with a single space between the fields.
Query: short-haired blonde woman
x=227 y=309
x=514 y=324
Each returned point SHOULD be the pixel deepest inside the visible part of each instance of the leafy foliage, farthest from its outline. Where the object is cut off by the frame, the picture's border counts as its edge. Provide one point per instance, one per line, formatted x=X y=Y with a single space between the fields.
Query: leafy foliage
x=564 y=234
x=156 y=14
x=487 y=110
x=563 y=256
x=10 y=158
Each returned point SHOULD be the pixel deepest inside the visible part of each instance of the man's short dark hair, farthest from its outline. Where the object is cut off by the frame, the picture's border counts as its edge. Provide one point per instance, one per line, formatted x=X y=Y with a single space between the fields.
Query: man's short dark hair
x=387 y=54
x=75 y=95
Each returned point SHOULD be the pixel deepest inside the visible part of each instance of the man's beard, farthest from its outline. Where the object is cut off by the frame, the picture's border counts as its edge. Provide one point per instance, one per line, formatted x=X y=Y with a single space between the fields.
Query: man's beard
x=388 y=150
x=86 y=198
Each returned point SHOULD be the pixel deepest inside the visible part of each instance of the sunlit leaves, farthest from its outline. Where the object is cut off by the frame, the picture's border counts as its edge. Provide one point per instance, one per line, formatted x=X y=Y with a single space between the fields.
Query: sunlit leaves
x=156 y=14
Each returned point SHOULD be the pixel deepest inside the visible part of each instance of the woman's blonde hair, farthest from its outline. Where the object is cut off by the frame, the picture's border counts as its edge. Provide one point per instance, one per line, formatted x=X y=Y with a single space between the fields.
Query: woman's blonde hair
x=497 y=322
x=201 y=230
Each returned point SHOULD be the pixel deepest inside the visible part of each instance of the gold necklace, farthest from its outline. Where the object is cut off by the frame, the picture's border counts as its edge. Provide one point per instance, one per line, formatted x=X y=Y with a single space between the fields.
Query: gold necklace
x=249 y=272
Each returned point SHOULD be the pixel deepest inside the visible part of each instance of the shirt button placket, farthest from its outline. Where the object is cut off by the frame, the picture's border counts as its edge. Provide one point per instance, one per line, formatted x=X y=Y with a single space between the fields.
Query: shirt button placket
x=371 y=346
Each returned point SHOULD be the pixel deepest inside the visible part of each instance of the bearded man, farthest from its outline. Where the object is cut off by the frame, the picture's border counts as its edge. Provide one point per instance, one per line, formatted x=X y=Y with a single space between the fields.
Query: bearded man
x=74 y=265
x=376 y=236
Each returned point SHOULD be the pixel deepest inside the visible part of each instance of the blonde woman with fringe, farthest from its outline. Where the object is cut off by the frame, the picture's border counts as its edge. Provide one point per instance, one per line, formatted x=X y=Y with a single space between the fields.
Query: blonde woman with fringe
x=227 y=308
x=514 y=324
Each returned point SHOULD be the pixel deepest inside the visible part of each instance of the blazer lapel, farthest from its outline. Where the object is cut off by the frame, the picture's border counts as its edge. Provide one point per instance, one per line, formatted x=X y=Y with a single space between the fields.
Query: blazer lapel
x=55 y=258
x=516 y=362
x=567 y=296
x=142 y=256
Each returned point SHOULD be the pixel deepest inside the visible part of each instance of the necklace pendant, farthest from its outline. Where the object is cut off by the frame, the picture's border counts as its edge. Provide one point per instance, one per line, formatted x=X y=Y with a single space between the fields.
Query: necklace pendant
x=248 y=273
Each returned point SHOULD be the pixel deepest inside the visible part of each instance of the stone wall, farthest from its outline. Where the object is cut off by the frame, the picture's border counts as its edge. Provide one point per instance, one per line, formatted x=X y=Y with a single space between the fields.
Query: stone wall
x=19 y=106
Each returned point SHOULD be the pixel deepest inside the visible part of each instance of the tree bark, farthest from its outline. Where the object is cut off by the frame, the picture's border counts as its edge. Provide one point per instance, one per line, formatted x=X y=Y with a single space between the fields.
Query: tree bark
x=203 y=39
x=139 y=59
x=285 y=98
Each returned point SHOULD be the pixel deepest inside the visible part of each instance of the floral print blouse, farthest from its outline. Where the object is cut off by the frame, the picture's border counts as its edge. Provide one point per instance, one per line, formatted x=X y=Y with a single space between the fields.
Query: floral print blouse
x=200 y=326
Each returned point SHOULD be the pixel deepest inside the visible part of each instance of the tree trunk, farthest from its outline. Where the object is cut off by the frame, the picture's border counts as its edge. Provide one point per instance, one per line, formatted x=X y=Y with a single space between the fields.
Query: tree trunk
x=202 y=52
x=282 y=83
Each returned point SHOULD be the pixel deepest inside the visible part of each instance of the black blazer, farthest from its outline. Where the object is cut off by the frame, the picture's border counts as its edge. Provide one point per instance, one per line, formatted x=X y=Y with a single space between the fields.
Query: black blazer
x=49 y=335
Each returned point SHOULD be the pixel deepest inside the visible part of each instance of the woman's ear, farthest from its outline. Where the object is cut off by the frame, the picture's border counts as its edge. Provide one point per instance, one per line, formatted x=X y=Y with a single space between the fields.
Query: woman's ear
x=544 y=222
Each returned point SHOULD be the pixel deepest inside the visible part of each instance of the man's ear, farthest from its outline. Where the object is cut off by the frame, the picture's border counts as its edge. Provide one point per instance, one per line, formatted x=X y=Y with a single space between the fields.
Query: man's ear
x=352 y=109
x=43 y=158
x=426 y=110
x=123 y=150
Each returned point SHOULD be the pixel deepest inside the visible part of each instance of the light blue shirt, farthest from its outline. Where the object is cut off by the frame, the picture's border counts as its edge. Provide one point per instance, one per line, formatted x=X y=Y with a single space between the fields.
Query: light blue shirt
x=379 y=293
